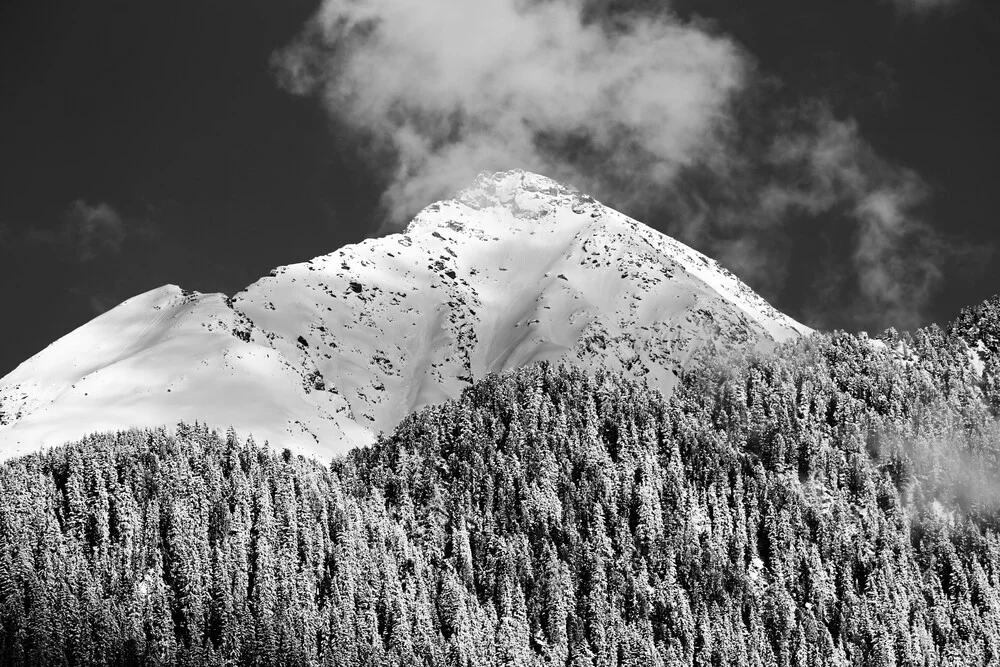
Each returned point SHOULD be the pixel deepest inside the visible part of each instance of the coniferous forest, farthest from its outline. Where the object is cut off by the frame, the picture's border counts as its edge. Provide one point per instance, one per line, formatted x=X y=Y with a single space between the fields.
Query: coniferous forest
x=836 y=502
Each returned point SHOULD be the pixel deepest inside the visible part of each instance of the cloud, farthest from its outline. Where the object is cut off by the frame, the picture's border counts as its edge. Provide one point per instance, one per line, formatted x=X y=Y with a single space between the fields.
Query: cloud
x=812 y=173
x=897 y=259
x=444 y=89
x=92 y=231
x=837 y=172
x=666 y=119
x=922 y=7
x=98 y=301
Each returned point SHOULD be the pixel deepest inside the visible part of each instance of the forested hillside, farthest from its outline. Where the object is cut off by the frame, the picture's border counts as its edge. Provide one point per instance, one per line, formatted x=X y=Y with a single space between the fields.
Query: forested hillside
x=833 y=503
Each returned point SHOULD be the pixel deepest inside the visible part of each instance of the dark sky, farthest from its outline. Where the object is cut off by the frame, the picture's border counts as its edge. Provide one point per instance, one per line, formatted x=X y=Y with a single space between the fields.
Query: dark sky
x=146 y=143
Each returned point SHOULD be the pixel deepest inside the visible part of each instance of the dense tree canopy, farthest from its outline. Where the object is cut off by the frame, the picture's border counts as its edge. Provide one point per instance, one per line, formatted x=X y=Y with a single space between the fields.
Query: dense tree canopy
x=832 y=503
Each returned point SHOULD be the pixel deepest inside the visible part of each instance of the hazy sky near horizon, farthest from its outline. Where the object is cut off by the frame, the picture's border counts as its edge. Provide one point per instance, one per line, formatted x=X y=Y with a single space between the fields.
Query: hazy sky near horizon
x=839 y=155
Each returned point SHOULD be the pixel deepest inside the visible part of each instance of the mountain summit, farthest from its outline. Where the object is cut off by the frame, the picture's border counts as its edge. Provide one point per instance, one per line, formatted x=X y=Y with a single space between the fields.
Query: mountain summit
x=321 y=356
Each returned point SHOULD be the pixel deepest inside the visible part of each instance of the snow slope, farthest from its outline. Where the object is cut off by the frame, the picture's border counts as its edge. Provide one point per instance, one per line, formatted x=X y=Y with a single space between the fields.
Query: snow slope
x=323 y=355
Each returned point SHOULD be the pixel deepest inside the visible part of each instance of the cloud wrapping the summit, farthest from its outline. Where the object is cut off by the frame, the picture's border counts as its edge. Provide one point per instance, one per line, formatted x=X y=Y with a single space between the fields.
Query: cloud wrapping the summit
x=448 y=88
x=666 y=119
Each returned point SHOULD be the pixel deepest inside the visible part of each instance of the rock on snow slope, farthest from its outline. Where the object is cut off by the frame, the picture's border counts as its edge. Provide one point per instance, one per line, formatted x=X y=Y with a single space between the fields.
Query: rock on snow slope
x=323 y=355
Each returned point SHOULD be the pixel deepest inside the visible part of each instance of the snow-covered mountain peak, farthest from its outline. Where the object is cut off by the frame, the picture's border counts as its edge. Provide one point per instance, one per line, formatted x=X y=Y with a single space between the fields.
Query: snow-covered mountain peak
x=517 y=194
x=503 y=187
x=323 y=355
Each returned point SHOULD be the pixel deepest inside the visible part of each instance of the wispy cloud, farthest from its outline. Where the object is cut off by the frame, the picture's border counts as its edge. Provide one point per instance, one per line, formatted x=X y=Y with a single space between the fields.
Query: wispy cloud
x=98 y=300
x=667 y=119
x=921 y=7
x=829 y=169
x=812 y=169
x=91 y=231
x=445 y=89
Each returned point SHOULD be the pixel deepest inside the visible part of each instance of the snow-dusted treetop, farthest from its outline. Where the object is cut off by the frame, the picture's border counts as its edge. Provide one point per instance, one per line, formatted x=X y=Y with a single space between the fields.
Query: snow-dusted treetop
x=323 y=355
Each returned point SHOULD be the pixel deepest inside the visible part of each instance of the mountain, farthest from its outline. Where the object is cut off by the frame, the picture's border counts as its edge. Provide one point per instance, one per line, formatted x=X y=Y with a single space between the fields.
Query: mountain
x=323 y=355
